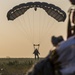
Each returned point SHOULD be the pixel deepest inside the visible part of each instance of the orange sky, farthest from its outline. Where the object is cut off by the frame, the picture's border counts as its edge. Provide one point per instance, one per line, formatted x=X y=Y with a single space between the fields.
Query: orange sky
x=15 y=42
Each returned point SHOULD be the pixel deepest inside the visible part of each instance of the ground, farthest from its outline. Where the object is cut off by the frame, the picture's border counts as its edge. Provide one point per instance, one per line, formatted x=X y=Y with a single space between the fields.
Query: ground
x=15 y=66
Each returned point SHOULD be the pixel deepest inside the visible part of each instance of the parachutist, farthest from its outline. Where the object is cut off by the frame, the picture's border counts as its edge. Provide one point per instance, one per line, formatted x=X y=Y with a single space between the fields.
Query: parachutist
x=36 y=51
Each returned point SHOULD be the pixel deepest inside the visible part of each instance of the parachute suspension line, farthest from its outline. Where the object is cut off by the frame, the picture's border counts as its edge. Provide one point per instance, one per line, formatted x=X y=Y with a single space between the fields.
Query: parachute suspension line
x=39 y=25
x=44 y=30
x=55 y=26
x=33 y=26
x=36 y=26
x=21 y=30
x=50 y=24
x=30 y=29
x=43 y=26
x=34 y=36
x=25 y=24
x=42 y=18
x=49 y=29
x=24 y=30
x=47 y=22
x=37 y=32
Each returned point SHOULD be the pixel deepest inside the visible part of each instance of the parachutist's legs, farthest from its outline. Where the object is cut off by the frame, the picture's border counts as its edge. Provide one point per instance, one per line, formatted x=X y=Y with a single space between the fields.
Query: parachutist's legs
x=38 y=56
x=35 y=56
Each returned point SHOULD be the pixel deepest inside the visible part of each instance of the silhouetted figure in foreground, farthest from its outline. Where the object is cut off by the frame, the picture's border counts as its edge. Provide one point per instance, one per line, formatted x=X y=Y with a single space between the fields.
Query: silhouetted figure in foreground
x=60 y=61
x=71 y=25
x=36 y=51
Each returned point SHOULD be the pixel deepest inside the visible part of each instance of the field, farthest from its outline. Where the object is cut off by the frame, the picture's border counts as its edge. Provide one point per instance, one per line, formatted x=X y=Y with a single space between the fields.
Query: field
x=15 y=66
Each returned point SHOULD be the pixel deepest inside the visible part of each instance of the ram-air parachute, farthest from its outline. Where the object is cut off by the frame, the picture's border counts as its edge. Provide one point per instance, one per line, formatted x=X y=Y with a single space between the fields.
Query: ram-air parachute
x=51 y=10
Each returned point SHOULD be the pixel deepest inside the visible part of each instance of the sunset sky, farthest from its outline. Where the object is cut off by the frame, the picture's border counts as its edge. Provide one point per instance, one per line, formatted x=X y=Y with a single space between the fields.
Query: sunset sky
x=15 y=42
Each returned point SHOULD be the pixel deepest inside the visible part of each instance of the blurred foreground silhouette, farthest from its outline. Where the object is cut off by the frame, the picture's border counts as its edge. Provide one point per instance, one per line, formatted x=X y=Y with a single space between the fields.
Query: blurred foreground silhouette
x=60 y=61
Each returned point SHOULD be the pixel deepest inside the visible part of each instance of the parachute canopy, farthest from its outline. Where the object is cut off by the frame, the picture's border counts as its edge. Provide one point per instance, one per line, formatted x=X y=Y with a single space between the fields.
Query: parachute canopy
x=51 y=10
